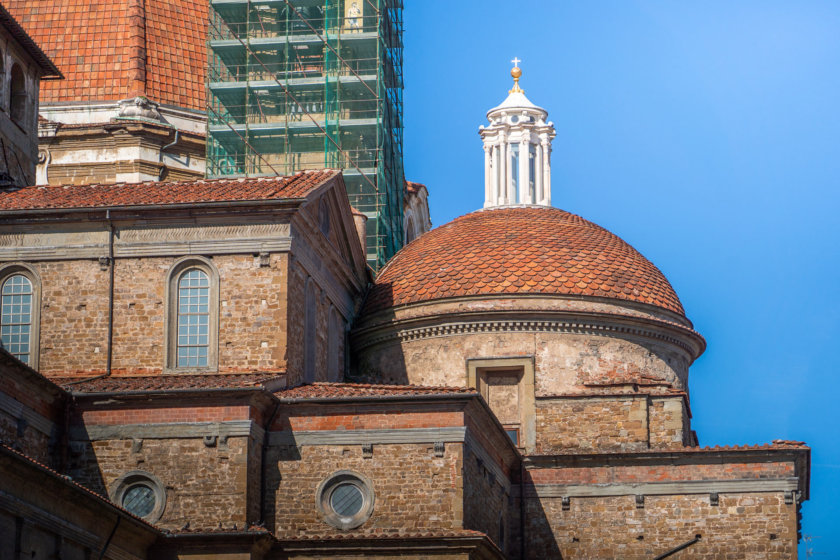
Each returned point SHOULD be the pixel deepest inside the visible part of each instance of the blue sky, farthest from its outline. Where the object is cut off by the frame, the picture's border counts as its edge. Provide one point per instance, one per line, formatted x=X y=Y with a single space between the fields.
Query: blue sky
x=705 y=134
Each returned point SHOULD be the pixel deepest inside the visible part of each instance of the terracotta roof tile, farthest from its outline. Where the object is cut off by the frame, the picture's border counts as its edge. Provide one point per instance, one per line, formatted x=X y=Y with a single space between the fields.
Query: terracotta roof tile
x=520 y=251
x=25 y=40
x=71 y=483
x=174 y=382
x=383 y=534
x=349 y=390
x=157 y=193
x=95 y=44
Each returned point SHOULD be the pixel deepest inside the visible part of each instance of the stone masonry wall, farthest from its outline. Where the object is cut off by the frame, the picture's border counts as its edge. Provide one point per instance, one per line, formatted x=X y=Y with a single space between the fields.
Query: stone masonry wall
x=414 y=490
x=296 y=322
x=564 y=362
x=30 y=413
x=753 y=525
x=74 y=316
x=205 y=486
x=628 y=422
x=486 y=501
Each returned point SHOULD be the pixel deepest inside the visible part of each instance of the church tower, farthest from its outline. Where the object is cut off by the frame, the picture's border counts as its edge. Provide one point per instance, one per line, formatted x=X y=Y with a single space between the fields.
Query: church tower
x=517 y=151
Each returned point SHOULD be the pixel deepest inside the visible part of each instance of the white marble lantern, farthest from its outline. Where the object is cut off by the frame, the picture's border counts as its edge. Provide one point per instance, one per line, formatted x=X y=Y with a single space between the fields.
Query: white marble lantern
x=517 y=151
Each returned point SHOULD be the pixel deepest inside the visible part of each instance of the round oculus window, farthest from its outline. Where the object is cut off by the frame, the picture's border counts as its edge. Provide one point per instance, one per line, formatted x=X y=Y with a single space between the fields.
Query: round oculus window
x=139 y=499
x=345 y=499
x=141 y=494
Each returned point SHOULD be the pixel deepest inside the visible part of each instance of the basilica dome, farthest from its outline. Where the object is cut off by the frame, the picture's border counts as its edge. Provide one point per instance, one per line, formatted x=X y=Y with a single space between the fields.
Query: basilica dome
x=519 y=251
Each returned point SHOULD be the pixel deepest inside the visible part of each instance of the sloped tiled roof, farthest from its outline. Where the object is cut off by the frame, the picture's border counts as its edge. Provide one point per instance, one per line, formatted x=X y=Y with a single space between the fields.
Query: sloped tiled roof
x=349 y=390
x=523 y=250
x=95 y=42
x=21 y=36
x=119 y=384
x=157 y=193
x=32 y=463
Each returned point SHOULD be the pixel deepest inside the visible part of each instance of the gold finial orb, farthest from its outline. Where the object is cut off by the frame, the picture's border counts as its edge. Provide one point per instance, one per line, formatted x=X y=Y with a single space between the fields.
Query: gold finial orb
x=515 y=73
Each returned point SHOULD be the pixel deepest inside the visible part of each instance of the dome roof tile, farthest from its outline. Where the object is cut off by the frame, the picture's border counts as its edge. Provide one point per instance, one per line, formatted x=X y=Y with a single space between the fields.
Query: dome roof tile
x=521 y=250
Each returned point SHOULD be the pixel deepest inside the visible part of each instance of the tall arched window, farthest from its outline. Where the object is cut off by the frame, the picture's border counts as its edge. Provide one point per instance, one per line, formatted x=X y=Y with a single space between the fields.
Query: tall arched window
x=17 y=95
x=193 y=315
x=193 y=318
x=19 y=291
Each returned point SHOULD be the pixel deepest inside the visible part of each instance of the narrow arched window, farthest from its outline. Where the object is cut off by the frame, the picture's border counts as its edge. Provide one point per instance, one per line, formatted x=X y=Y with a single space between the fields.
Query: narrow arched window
x=193 y=319
x=16 y=317
x=192 y=340
x=17 y=95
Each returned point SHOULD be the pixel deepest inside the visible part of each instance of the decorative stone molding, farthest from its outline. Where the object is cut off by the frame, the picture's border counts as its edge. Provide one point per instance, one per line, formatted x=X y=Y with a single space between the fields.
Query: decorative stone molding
x=594 y=326
x=665 y=488
x=139 y=108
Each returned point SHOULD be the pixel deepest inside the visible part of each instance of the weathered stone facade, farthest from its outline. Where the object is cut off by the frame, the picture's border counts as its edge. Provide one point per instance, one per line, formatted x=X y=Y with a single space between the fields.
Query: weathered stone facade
x=501 y=426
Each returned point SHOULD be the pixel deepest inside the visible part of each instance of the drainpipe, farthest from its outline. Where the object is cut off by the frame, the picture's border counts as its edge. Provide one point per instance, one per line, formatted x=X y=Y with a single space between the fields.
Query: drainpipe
x=676 y=549
x=521 y=511
x=111 y=536
x=110 y=292
x=163 y=149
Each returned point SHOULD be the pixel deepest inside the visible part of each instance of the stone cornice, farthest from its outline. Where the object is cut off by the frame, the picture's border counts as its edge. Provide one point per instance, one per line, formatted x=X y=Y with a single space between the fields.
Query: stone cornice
x=662 y=488
x=514 y=320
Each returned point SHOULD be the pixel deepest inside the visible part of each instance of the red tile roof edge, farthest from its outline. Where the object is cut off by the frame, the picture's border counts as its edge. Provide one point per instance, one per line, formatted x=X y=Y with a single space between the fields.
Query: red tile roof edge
x=383 y=534
x=67 y=197
x=170 y=383
x=340 y=391
x=73 y=484
x=28 y=43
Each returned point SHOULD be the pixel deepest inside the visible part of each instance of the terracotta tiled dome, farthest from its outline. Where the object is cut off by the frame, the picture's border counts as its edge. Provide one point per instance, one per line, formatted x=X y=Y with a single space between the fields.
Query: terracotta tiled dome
x=523 y=250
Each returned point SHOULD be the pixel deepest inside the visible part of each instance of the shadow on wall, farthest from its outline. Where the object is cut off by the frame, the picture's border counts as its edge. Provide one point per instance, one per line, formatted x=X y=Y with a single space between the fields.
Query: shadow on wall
x=540 y=539
x=387 y=365
x=82 y=464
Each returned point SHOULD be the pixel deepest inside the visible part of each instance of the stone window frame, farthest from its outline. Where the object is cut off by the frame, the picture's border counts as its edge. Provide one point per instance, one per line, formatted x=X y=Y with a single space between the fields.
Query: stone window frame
x=527 y=396
x=133 y=478
x=333 y=481
x=174 y=274
x=11 y=269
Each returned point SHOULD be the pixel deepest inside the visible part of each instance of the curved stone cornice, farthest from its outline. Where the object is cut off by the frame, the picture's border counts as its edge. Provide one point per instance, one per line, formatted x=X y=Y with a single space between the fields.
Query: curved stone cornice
x=517 y=320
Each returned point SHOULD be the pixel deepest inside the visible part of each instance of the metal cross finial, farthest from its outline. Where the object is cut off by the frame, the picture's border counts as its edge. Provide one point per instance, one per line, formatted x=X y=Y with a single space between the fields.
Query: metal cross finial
x=516 y=62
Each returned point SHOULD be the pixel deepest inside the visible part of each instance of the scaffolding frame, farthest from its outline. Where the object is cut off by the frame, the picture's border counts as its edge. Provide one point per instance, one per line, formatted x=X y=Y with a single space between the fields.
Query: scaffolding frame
x=302 y=84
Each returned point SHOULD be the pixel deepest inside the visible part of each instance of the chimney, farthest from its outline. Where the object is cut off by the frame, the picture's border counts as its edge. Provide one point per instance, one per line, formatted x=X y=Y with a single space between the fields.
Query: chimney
x=361 y=228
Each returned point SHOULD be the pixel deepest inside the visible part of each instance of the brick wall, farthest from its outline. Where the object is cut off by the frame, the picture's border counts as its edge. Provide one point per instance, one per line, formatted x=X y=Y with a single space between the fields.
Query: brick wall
x=31 y=411
x=755 y=525
x=74 y=316
x=714 y=469
x=205 y=486
x=485 y=501
x=629 y=422
x=414 y=489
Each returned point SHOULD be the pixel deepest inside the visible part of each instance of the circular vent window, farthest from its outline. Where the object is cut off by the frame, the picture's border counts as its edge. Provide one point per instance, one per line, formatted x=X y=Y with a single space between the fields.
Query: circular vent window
x=140 y=493
x=345 y=499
